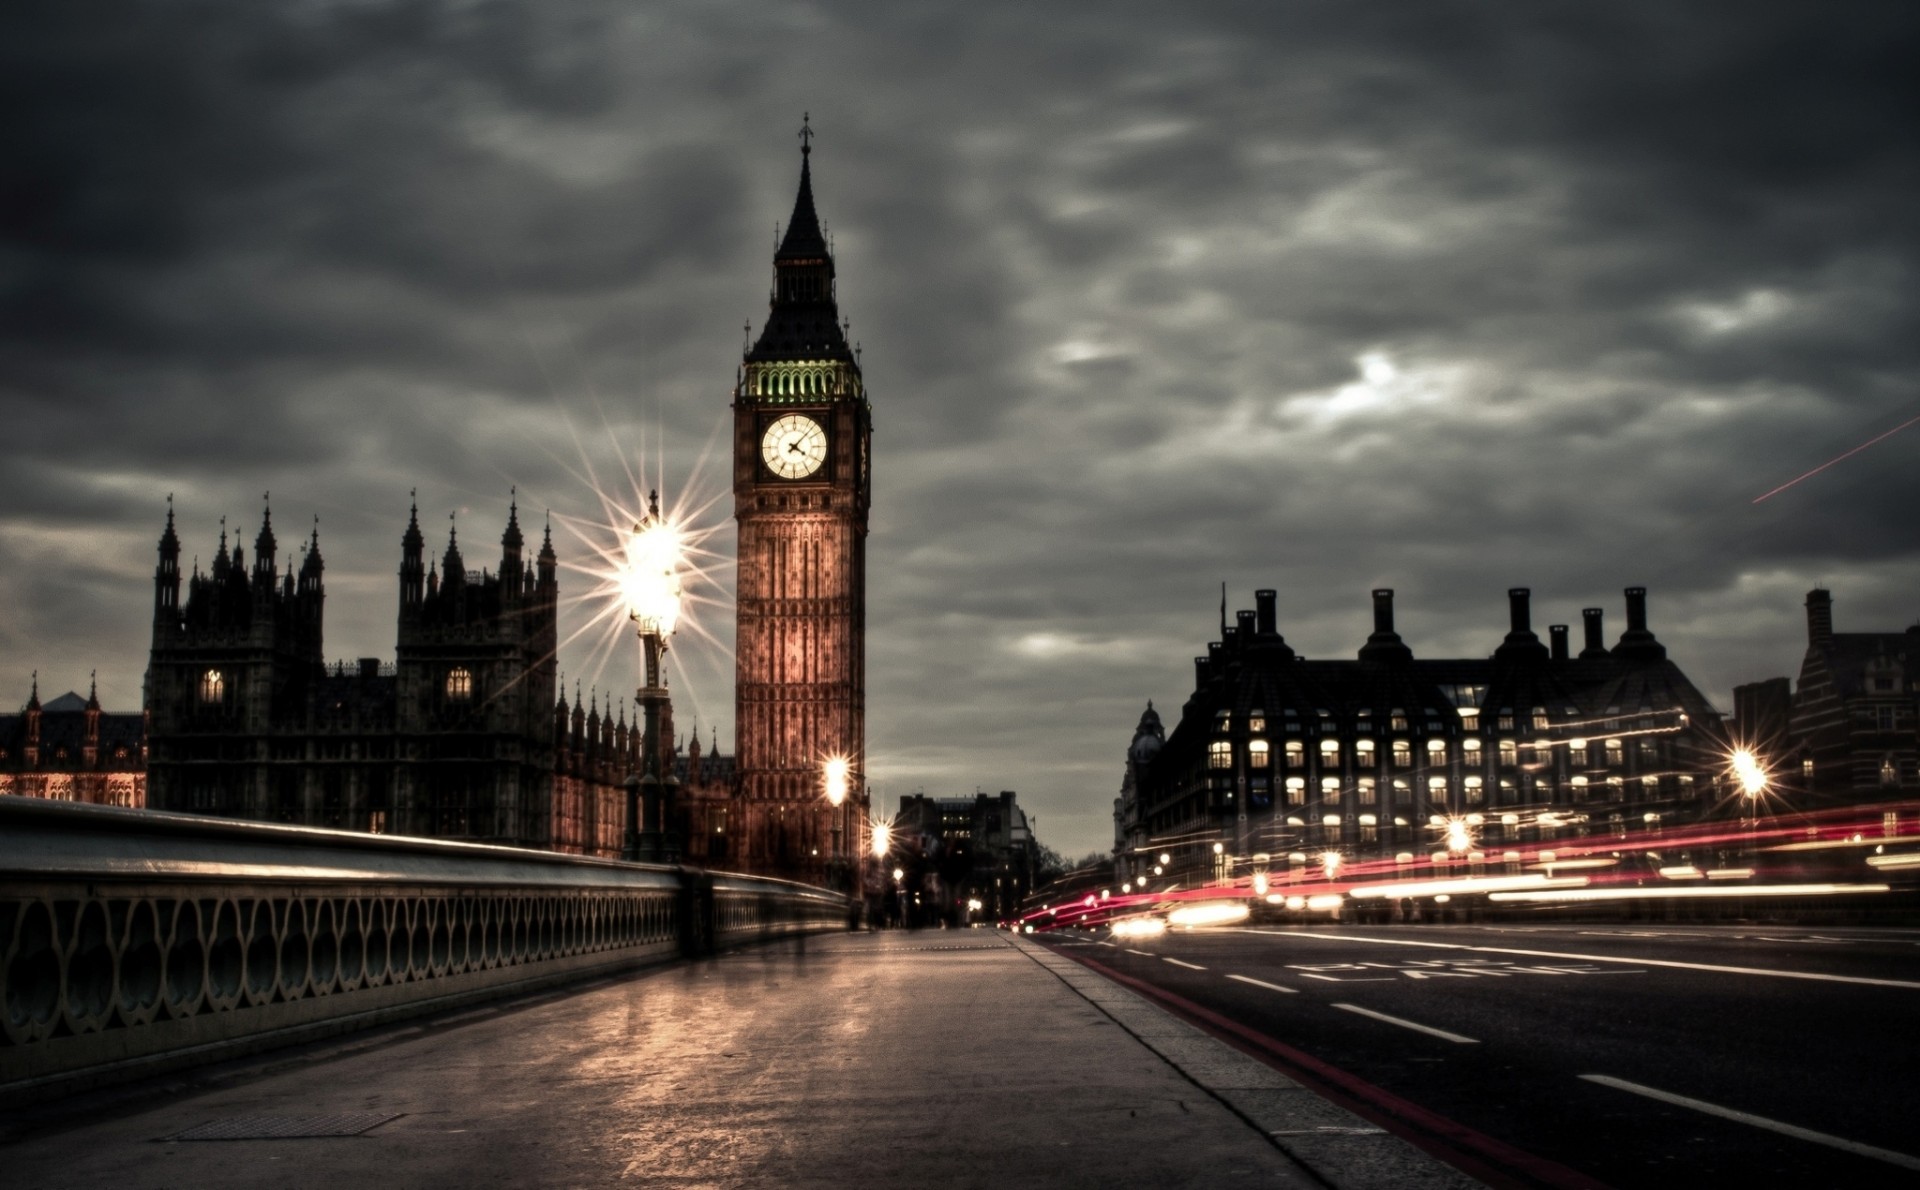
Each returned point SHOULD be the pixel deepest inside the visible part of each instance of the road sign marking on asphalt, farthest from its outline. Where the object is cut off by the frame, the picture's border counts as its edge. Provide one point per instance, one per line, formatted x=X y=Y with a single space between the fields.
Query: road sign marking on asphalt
x=1456 y=1038
x=1337 y=979
x=1599 y=958
x=1145 y=954
x=1261 y=983
x=1179 y=963
x=1728 y=1113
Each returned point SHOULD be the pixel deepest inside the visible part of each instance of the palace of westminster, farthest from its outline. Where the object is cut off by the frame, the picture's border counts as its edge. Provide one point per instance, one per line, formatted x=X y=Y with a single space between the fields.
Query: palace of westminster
x=468 y=733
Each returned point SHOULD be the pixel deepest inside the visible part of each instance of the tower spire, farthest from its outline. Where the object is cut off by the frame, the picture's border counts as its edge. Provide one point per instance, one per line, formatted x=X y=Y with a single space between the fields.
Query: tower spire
x=803 y=322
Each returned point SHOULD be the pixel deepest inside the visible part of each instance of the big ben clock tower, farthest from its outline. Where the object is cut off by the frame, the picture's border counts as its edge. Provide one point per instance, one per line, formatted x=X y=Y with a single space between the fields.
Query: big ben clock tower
x=801 y=431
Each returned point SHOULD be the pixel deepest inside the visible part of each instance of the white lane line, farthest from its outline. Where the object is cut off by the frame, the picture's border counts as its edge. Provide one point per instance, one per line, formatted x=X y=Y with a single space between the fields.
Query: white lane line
x=1142 y=953
x=1338 y=979
x=1261 y=983
x=1178 y=963
x=1106 y=943
x=1728 y=1113
x=1600 y=958
x=1442 y=1034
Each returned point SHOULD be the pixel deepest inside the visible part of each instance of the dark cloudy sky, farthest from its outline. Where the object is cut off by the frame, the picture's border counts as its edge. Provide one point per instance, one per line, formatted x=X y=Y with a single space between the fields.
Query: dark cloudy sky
x=1446 y=297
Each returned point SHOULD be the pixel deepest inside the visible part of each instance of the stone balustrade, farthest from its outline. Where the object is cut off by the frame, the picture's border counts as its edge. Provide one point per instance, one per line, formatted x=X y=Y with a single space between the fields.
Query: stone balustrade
x=133 y=941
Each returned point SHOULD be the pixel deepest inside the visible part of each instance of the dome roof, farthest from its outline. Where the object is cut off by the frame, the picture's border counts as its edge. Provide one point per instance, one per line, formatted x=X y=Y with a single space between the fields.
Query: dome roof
x=1148 y=736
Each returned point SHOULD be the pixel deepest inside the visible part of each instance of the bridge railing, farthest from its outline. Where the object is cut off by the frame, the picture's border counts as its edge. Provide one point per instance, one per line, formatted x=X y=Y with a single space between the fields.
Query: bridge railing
x=133 y=941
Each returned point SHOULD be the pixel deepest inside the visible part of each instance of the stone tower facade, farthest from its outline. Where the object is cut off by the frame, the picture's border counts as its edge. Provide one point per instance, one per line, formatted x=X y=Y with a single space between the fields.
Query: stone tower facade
x=802 y=428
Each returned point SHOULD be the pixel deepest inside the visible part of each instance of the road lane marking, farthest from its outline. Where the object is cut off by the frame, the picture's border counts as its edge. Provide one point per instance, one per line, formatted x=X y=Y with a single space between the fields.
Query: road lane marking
x=1405 y=1024
x=1178 y=963
x=1601 y=958
x=1337 y=979
x=1728 y=1113
x=1261 y=983
x=1145 y=954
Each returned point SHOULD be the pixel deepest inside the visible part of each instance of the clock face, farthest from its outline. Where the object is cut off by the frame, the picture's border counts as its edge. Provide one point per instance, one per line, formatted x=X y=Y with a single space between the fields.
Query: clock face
x=794 y=446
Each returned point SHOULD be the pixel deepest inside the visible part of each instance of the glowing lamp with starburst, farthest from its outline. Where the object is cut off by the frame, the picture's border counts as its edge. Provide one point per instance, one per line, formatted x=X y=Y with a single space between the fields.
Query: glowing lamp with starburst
x=650 y=584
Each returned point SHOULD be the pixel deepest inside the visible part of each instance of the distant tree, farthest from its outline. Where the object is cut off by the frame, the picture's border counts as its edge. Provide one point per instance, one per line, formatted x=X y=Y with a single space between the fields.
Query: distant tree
x=1047 y=864
x=1093 y=859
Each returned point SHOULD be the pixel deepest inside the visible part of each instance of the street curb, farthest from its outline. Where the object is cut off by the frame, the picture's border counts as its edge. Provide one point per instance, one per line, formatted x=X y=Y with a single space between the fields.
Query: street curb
x=1333 y=1145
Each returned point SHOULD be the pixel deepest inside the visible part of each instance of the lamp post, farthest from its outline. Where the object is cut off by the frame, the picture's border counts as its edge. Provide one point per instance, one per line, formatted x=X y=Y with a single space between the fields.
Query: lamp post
x=1752 y=775
x=652 y=590
x=834 y=773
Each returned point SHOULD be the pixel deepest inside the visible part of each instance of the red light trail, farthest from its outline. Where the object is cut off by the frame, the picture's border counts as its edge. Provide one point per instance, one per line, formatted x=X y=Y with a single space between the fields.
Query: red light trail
x=1838 y=458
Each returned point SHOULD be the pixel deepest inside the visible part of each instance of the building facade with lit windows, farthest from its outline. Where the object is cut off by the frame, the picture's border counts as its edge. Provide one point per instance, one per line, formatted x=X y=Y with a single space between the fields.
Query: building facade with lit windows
x=1847 y=732
x=1276 y=755
x=977 y=849
x=72 y=751
x=465 y=735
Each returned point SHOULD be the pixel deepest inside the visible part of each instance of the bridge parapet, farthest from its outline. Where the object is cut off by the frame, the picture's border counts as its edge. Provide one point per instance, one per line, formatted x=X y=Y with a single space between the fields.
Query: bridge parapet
x=134 y=941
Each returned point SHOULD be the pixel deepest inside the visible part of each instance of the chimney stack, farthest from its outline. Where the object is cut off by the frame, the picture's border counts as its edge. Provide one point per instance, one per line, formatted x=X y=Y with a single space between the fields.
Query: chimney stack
x=1557 y=633
x=1637 y=643
x=1267 y=622
x=1385 y=644
x=1819 y=618
x=1596 y=645
x=1521 y=643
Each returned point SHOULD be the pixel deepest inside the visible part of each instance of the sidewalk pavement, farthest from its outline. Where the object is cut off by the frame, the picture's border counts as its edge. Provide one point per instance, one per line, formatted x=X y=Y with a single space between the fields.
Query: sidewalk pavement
x=938 y=1058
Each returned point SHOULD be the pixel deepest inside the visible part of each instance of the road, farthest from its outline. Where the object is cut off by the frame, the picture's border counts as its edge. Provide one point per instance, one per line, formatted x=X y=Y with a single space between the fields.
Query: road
x=1683 y=1055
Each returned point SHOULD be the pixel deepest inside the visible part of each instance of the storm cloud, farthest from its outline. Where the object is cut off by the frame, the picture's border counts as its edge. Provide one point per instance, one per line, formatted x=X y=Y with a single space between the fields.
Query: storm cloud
x=1446 y=297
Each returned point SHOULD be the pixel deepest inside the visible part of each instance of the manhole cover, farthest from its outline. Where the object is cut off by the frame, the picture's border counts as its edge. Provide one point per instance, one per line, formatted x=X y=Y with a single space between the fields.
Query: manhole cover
x=351 y=1123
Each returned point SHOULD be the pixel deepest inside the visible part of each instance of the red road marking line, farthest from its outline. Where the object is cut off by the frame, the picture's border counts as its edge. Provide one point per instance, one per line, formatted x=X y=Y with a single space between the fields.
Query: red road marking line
x=1473 y=1152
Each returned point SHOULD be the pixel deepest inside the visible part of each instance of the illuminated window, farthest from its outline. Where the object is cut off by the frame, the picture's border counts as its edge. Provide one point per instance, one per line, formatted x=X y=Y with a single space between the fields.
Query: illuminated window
x=1437 y=788
x=1220 y=754
x=1580 y=788
x=1476 y=791
x=1330 y=753
x=1616 y=788
x=1223 y=721
x=1402 y=792
x=1257 y=753
x=1539 y=718
x=1470 y=753
x=1402 y=754
x=1363 y=753
x=213 y=687
x=1806 y=769
x=1649 y=784
x=459 y=683
x=1397 y=721
x=1296 y=791
x=1888 y=774
x=1509 y=753
x=1368 y=794
x=1616 y=754
x=1470 y=717
x=1505 y=720
x=1436 y=751
x=1256 y=720
x=1296 y=754
x=1648 y=751
x=1330 y=790
x=1577 y=753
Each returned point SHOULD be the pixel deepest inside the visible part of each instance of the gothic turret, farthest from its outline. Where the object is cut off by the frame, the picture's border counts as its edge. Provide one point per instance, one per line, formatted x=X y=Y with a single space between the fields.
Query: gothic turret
x=548 y=583
x=454 y=567
x=166 y=576
x=264 y=549
x=512 y=570
x=413 y=568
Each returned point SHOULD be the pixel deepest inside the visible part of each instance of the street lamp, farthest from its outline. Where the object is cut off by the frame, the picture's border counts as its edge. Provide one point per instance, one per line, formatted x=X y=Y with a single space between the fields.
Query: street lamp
x=834 y=775
x=651 y=588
